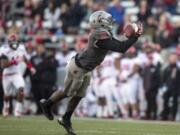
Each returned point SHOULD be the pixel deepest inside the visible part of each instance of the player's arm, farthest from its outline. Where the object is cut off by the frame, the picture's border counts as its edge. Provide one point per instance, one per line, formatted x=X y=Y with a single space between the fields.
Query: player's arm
x=29 y=65
x=4 y=61
x=27 y=61
x=117 y=45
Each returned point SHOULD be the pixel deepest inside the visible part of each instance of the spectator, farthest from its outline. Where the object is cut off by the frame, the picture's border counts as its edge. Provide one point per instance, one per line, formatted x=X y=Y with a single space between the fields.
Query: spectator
x=65 y=17
x=52 y=15
x=151 y=82
x=63 y=57
x=48 y=74
x=165 y=31
x=37 y=23
x=117 y=11
x=144 y=12
x=30 y=48
x=65 y=54
x=150 y=27
x=130 y=80
x=27 y=8
x=170 y=6
x=36 y=79
x=37 y=8
x=171 y=80
x=75 y=13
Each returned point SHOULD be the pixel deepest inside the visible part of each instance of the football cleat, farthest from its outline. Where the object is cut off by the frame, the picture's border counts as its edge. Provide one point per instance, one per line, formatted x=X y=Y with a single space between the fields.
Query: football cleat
x=46 y=109
x=5 y=112
x=18 y=114
x=67 y=125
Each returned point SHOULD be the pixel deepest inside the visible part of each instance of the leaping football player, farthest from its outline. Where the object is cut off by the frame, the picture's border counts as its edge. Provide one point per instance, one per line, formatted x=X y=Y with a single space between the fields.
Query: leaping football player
x=78 y=74
x=12 y=79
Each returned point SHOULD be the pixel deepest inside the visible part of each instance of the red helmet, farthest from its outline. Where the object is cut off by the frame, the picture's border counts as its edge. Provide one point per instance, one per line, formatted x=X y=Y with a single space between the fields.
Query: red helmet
x=13 y=42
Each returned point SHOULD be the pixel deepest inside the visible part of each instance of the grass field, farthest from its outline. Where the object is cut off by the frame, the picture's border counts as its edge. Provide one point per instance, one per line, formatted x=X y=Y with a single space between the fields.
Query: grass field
x=37 y=125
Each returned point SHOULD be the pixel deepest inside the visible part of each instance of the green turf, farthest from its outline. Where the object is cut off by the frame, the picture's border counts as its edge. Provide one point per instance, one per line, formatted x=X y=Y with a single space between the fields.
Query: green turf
x=37 y=125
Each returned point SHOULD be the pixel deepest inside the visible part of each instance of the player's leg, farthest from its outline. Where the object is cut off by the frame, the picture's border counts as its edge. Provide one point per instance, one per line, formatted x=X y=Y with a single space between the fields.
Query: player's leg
x=165 y=111
x=18 y=112
x=133 y=102
x=19 y=84
x=175 y=105
x=124 y=99
x=46 y=105
x=142 y=100
x=101 y=102
x=132 y=96
x=6 y=106
x=74 y=101
x=77 y=90
x=73 y=82
x=154 y=104
x=116 y=95
x=108 y=92
x=70 y=85
x=100 y=98
x=6 y=88
x=148 y=110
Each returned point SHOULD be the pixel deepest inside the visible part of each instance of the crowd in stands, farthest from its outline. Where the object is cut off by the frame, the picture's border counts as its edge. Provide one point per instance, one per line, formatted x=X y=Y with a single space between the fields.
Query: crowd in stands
x=147 y=77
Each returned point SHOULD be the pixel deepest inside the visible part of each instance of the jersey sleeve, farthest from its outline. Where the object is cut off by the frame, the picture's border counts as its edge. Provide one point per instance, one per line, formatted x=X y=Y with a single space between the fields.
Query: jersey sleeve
x=116 y=45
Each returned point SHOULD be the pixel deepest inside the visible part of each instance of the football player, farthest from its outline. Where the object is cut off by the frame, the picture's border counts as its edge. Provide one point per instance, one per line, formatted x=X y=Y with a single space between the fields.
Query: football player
x=15 y=53
x=78 y=74
x=107 y=86
x=130 y=81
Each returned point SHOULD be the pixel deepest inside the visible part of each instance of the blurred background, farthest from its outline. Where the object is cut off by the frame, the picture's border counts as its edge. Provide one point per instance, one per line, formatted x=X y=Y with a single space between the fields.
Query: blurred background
x=54 y=30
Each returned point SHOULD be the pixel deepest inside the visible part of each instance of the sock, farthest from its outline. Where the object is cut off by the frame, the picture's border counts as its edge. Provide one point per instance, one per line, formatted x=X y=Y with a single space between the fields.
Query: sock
x=68 y=115
x=6 y=104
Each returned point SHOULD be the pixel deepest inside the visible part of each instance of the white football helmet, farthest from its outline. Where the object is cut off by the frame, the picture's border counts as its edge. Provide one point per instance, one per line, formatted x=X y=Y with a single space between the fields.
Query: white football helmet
x=101 y=19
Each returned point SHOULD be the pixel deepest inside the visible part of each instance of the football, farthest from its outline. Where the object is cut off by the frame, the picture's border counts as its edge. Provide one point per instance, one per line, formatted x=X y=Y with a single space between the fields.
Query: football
x=130 y=29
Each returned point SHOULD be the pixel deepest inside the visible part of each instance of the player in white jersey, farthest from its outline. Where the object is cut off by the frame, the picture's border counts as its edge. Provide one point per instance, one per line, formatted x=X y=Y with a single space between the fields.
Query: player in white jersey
x=12 y=76
x=107 y=88
x=130 y=81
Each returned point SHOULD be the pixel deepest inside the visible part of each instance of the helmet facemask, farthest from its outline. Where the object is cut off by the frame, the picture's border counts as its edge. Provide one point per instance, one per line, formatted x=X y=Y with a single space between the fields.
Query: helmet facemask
x=108 y=23
x=13 y=44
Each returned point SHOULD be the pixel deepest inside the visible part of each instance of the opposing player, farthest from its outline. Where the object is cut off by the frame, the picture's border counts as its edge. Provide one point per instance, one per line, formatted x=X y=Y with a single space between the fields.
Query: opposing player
x=101 y=40
x=15 y=53
x=107 y=86
x=130 y=82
